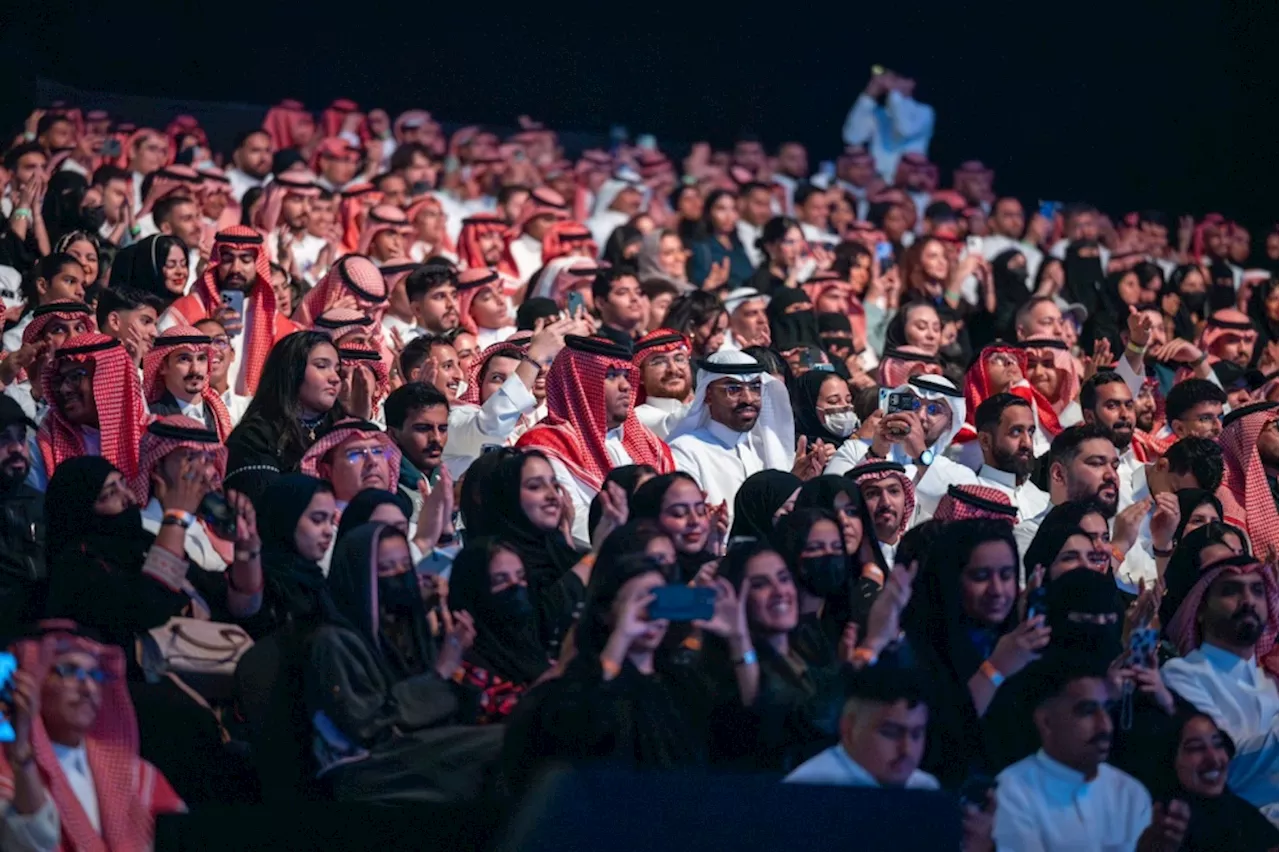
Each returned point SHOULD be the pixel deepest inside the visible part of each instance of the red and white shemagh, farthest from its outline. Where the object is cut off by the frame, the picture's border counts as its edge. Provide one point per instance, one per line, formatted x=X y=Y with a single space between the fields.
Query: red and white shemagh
x=333 y=148
x=1149 y=446
x=296 y=181
x=348 y=430
x=821 y=282
x=542 y=201
x=185 y=125
x=562 y=275
x=356 y=201
x=1063 y=364
x=472 y=283
x=354 y=355
x=383 y=217
x=154 y=448
x=469 y=253
x=961 y=503
x=1245 y=495
x=574 y=428
x=978 y=387
x=336 y=113
x=131 y=792
x=512 y=348
x=1225 y=325
x=420 y=206
x=566 y=236
x=121 y=413
x=412 y=119
x=183 y=338
x=171 y=180
x=860 y=474
x=354 y=277
x=282 y=121
x=1184 y=627
x=65 y=311
x=260 y=301
x=339 y=322
x=660 y=341
x=894 y=371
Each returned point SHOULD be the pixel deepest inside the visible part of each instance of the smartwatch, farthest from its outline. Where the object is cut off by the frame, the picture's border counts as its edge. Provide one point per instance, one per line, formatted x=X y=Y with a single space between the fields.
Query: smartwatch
x=925 y=459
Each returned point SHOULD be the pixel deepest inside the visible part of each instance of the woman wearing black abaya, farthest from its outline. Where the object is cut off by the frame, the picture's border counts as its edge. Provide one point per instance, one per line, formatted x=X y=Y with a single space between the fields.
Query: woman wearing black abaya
x=822 y=405
x=1009 y=273
x=811 y=542
x=155 y=265
x=488 y=582
x=389 y=725
x=763 y=498
x=675 y=502
x=1194 y=551
x=1119 y=292
x=867 y=569
x=1082 y=275
x=792 y=323
x=376 y=506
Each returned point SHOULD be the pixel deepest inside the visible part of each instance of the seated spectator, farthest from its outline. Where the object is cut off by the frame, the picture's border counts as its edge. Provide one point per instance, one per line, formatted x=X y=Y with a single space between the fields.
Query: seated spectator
x=175 y=380
x=1197 y=551
x=1248 y=492
x=677 y=505
x=298 y=518
x=23 y=571
x=762 y=499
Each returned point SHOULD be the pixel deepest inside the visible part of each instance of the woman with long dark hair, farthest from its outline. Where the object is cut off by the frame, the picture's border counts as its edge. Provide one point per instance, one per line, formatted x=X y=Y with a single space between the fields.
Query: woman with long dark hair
x=718 y=261
x=297 y=397
x=783 y=244
x=676 y=503
x=701 y=317
x=156 y=265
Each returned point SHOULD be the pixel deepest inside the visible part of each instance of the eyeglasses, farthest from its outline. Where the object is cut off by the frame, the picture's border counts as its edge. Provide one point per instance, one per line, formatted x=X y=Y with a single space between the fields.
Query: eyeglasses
x=75 y=375
x=221 y=342
x=933 y=409
x=354 y=456
x=80 y=673
x=733 y=390
x=1001 y=360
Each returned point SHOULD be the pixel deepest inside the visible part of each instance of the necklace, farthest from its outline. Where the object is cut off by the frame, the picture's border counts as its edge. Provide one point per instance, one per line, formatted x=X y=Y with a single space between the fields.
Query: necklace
x=310 y=426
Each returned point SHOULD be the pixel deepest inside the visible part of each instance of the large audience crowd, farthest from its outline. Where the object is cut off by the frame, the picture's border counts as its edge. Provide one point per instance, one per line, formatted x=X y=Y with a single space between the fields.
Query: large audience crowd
x=366 y=462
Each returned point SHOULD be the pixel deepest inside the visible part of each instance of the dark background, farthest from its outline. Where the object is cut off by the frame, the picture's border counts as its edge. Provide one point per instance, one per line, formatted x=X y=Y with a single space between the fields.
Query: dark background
x=1170 y=104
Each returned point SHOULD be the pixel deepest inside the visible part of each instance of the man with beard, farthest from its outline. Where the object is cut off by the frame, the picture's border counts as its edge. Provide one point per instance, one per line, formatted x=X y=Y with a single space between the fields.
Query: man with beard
x=890 y=499
x=1248 y=492
x=1223 y=627
x=1066 y=795
x=1144 y=408
x=175 y=380
x=665 y=380
x=239 y=265
x=1105 y=399
x=1006 y=430
x=250 y=162
x=22 y=568
x=748 y=322
x=49 y=327
x=418 y=422
x=432 y=291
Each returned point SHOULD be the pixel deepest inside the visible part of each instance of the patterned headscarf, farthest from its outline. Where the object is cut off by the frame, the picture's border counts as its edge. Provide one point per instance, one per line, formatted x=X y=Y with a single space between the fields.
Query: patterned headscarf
x=871 y=470
x=902 y=363
x=416 y=209
x=1063 y=364
x=1245 y=495
x=129 y=789
x=383 y=217
x=182 y=338
x=563 y=237
x=542 y=201
x=562 y=275
x=660 y=341
x=354 y=355
x=1184 y=628
x=1226 y=324
x=341 y=432
x=509 y=347
x=353 y=275
x=295 y=181
x=966 y=502
x=121 y=414
x=261 y=299
x=977 y=387
x=471 y=283
x=574 y=429
x=469 y=253
x=339 y=322
x=67 y=311
x=171 y=180
x=281 y=120
x=166 y=434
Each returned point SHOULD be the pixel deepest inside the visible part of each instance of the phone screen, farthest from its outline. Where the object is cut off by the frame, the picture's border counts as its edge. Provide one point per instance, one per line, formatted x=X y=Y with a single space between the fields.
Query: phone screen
x=682 y=603
x=8 y=665
x=884 y=254
x=575 y=303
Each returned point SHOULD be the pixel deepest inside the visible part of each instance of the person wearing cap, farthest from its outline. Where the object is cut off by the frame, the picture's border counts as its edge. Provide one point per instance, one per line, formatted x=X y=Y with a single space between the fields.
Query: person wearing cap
x=748 y=322
x=591 y=426
x=740 y=423
x=917 y=440
x=663 y=379
x=22 y=549
x=541 y=208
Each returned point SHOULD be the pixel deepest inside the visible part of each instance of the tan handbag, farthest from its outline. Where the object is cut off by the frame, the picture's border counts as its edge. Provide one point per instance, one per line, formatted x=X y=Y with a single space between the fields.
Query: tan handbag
x=204 y=654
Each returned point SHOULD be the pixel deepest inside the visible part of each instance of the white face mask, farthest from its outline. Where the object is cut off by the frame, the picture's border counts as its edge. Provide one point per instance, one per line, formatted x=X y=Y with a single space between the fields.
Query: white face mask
x=840 y=423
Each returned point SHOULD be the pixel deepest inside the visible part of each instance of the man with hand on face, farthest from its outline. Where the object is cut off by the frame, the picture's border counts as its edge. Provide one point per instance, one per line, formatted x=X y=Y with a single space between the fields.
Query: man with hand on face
x=664 y=380
x=889 y=121
x=175 y=380
x=1006 y=428
x=50 y=326
x=129 y=316
x=748 y=322
x=591 y=426
x=22 y=567
x=890 y=499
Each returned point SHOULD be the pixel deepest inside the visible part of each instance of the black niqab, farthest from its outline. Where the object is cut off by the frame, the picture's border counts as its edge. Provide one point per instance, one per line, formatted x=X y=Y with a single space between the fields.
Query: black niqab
x=506 y=644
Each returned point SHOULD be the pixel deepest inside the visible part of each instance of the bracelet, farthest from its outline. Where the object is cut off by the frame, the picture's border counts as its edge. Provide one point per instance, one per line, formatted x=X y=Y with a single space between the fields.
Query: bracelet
x=991 y=673
x=177 y=517
x=247 y=555
x=1203 y=357
x=21 y=213
x=1135 y=349
x=748 y=658
x=692 y=642
x=871 y=571
x=589 y=560
x=1162 y=552
x=1117 y=553
x=134 y=230
x=610 y=668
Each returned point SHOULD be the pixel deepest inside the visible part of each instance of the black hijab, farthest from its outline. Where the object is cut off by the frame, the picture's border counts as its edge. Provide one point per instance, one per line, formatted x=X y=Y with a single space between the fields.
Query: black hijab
x=61 y=209
x=1012 y=293
x=615 y=248
x=1190 y=499
x=759 y=498
x=1109 y=316
x=546 y=554
x=1084 y=591
x=792 y=330
x=118 y=541
x=361 y=508
x=141 y=266
x=646 y=505
x=1183 y=570
x=295 y=585
x=820 y=493
x=1082 y=276
x=804 y=390
x=506 y=642
x=477 y=519
x=1062 y=522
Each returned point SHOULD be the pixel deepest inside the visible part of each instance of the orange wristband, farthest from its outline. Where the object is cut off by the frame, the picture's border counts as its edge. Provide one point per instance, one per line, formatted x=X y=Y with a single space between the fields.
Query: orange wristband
x=610 y=668
x=866 y=656
x=871 y=571
x=991 y=673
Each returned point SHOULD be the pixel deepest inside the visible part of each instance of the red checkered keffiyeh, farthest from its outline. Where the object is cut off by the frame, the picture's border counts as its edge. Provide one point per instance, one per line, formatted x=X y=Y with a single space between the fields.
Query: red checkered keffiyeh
x=166 y=434
x=354 y=275
x=295 y=181
x=121 y=414
x=469 y=254
x=205 y=300
x=574 y=429
x=1184 y=627
x=977 y=387
x=354 y=355
x=966 y=502
x=131 y=792
x=68 y=312
x=1245 y=495
x=510 y=348
x=339 y=322
x=542 y=201
x=872 y=470
x=1063 y=364
x=181 y=338
x=566 y=236
x=660 y=341
x=339 y=434
x=902 y=363
x=471 y=283
x=383 y=217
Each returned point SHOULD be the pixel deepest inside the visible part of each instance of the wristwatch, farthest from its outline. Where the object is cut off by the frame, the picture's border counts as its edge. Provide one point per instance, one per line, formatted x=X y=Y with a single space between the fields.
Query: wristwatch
x=925 y=459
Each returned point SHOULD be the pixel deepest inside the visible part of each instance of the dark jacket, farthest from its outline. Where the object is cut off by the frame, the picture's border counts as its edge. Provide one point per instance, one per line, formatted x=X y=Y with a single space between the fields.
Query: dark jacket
x=23 y=576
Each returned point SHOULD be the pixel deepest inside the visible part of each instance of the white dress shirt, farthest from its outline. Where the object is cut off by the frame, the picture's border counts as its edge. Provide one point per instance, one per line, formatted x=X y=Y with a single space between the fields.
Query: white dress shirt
x=582 y=493
x=236 y=405
x=242 y=182
x=486 y=337
x=834 y=767
x=37 y=476
x=527 y=253
x=1029 y=500
x=1045 y=806
x=1242 y=701
x=471 y=427
x=903 y=125
x=719 y=458
x=74 y=761
x=197 y=544
x=658 y=414
x=747 y=235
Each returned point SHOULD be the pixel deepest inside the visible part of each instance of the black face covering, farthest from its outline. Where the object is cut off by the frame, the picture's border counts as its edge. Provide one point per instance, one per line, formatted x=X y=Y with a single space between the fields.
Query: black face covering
x=127 y=522
x=94 y=216
x=399 y=594
x=1088 y=637
x=823 y=575
x=512 y=603
x=1194 y=302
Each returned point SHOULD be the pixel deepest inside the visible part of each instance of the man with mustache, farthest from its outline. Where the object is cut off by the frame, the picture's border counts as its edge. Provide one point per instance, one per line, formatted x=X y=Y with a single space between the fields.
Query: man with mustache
x=418 y=422
x=239 y=264
x=1006 y=429
x=665 y=379
x=1248 y=492
x=1225 y=630
x=175 y=379
x=1066 y=795
x=49 y=327
x=1106 y=399
x=353 y=455
x=748 y=323
x=891 y=501
x=432 y=291
x=220 y=369
x=22 y=568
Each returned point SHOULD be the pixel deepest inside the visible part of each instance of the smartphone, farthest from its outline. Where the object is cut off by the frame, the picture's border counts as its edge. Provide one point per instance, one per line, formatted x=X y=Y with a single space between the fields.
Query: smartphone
x=806 y=358
x=111 y=147
x=1037 y=604
x=976 y=790
x=8 y=666
x=1142 y=647
x=215 y=511
x=575 y=303
x=895 y=402
x=884 y=254
x=974 y=244
x=1049 y=209
x=234 y=299
x=683 y=603
x=421 y=187
x=877 y=70
x=828 y=170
